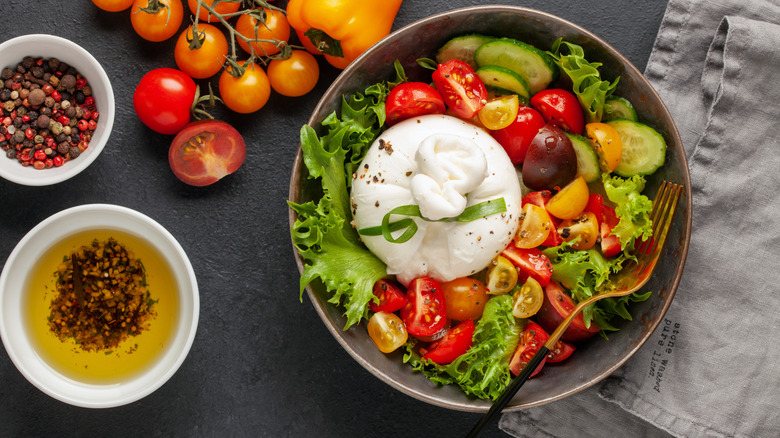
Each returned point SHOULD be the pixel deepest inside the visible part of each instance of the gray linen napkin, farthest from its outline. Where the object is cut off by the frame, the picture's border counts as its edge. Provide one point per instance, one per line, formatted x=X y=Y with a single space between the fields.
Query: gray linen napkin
x=711 y=368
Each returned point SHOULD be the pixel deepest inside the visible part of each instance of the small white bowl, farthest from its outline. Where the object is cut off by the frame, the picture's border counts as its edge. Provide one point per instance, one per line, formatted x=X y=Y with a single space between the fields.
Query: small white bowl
x=15 y=329
x=49 y=46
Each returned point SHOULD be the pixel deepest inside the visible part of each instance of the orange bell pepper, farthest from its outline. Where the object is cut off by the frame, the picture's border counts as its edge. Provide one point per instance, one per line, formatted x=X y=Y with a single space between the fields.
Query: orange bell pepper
x=342 y=29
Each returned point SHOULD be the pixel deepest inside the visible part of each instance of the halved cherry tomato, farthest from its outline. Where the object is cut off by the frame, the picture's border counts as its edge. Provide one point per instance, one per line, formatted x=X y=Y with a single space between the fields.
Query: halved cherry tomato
x=595 y=205
x=584 y=228
x=465 y=298
x=276 y=27
x=561 y=108
x=425 y=313
x=163 y=99
x=113 y=5
x=607 y=143
x=610 y=243
x=531 y=340
x=387 y=331
x=556 y=307
x=501 y=276
x=247 y=93
x=158 y=25
x=391 y=297
x=570 y=201
x=535 y=226
x=294 y=76
x=531 y=261
x=540 y=198
x=206 y=60
x=560 y=352
x=205 y=151
x=463 y=91
x=500 y=112
x=516 y=137
x=412 y=99
x=222 y=7
x=528 y=299
x=456 y=342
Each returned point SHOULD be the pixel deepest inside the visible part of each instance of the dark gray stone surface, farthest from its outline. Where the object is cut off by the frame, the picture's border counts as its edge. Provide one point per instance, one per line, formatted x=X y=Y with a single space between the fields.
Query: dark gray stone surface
x=262 y=363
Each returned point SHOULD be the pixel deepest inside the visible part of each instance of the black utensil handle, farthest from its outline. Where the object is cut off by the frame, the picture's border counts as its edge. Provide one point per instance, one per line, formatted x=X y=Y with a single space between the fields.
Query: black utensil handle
x=510 y=390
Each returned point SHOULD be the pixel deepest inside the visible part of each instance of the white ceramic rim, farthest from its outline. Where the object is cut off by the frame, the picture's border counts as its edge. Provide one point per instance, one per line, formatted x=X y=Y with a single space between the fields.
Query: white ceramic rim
x=76 y=56
x=18 y=344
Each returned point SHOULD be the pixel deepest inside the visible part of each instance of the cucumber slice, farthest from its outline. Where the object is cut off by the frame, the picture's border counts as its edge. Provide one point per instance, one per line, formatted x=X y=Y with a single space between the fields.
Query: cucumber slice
x=535 y=66
x=501 y=78
x=619 y=108
x=463 y=48
x=587 y=158
x=644 y=149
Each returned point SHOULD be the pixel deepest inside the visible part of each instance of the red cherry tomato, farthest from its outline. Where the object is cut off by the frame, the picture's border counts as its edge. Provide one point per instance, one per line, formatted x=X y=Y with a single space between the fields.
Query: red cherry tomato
x=531 y=261
x=412 y=99
x=425 y=313
x=456 y=342
x=465 y=298
x=561 y=108
x=463 y=91
x=516 y=137
x=163 y=99
x=595 y=205
x=556 y=307
x=610 y=244
x=391 y=297
x=205 y=151
x=531 y=340
x=560 y=352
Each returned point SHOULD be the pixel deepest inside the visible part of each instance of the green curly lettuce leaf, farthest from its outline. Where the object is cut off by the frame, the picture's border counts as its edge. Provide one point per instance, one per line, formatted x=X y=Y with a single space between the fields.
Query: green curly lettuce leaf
x=483 y=371
x=631 y=207
x=588 y=86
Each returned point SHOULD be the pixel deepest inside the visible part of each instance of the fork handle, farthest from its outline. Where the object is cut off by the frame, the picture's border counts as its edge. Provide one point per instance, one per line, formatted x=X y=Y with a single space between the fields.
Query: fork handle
x=510 y=390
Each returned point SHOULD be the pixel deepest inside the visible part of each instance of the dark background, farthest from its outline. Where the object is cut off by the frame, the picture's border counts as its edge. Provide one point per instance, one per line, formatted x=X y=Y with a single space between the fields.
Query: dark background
x=262 y=363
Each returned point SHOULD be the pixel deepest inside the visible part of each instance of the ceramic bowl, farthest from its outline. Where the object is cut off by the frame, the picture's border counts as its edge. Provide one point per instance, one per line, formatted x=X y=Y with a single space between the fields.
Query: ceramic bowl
x=595 y=359
x=16 y=324
x=49 y=46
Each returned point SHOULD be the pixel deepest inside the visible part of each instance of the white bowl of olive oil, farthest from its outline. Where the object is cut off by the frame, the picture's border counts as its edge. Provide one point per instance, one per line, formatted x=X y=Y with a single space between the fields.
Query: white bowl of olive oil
x=118 y=363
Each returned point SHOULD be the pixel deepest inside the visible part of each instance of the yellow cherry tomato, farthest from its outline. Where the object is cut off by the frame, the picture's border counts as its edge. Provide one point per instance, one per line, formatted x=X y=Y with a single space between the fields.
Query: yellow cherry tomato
x=247 y=93
x=158 y=25
x=535 y=226
x=584 y=228
x=113 y=5
x=606 y=141
x=294 y=76
x=387 y=331
x=221 y=8
x=501 y=276
x=465 y=298
x=528 y=299
x=206 y=60
x=499 y=112
x=276 y=27
x=570 y=201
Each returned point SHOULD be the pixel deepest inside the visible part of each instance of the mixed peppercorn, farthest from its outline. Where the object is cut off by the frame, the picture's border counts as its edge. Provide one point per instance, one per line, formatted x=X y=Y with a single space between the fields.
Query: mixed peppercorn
x=47 y=112
x=102 y=297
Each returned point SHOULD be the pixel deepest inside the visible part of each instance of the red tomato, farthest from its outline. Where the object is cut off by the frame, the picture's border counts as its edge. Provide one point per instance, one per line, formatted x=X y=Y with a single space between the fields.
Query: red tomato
x=516 y=137
x=540 y=198
x=463 y=91
x=391 y=297
x=205 y=151
x=163 y=99
x=465 y=298
x=456 y=342
x=610 y=244
x=531 y=261
x=531 y=340
x=561 y=108
x=595 y=205
x=557 y=306
x=412 y=99
x=560 y=352
x=425 y=313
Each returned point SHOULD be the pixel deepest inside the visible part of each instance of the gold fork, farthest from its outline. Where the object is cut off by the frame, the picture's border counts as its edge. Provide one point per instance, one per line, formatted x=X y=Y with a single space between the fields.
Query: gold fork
x=629 y=280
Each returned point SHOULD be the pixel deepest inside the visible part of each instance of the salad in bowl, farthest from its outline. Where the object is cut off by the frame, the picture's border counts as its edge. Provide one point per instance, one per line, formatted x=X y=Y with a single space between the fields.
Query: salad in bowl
x=448 y=214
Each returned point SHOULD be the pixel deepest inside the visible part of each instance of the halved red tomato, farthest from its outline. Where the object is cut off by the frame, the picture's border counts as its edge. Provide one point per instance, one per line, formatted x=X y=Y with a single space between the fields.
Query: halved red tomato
x=205 y=151
x=516 y=137
x=595 y=205
x=556 y=307
x=456 y=342
x=531 y=340
x=425 y=312
x=412 y=99
x=463 y=91
x=391 y=297
x=531 y=261
x=610 y=244
x=561 y=108
x=560 y=352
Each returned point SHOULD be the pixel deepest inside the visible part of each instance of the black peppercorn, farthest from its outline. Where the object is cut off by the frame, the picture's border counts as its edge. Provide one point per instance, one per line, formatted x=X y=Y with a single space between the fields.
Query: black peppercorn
x=6 y=74
x=74 y=152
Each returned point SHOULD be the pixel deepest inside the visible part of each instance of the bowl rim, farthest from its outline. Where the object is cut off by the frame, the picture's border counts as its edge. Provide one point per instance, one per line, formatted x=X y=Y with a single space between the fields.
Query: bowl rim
x=181 y=341
x=107 y=114
x=672 y=132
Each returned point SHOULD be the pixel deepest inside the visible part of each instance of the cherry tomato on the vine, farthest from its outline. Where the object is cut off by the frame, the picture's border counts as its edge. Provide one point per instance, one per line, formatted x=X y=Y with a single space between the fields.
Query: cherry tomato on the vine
x=206 y=151
x=412 y=99
x=157 y=25
x=221 y=8
x=206 y=60
x=163 y=100
x=276 y=27
x=294 y=76
x=113 y=5
x=247 y=93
